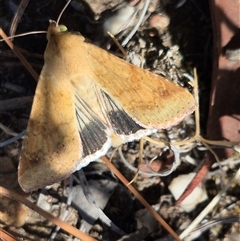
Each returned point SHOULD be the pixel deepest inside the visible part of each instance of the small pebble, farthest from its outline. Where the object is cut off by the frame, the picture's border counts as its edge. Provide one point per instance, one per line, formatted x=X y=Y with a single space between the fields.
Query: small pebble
x=160 y=22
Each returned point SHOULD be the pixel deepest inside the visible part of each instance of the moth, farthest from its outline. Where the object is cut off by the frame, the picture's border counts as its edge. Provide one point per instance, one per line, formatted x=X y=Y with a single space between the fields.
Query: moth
x=86 y=101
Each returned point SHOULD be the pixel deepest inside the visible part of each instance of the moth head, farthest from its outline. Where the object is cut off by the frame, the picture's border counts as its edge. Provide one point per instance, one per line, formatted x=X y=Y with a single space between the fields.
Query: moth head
x=54 y=28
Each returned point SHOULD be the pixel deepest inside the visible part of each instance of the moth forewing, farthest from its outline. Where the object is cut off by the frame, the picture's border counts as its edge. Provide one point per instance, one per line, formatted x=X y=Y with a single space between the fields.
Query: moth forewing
x=52 y=145
x=151 y=100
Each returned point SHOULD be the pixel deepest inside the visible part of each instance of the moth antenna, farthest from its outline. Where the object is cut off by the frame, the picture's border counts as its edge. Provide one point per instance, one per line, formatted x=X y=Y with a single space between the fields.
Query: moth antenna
x=61 y=13
x=23 y=34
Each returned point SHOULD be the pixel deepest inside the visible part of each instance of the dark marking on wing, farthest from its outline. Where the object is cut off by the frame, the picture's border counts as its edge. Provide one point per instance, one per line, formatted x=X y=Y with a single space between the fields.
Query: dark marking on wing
x=92 y=131
x=121 y=122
